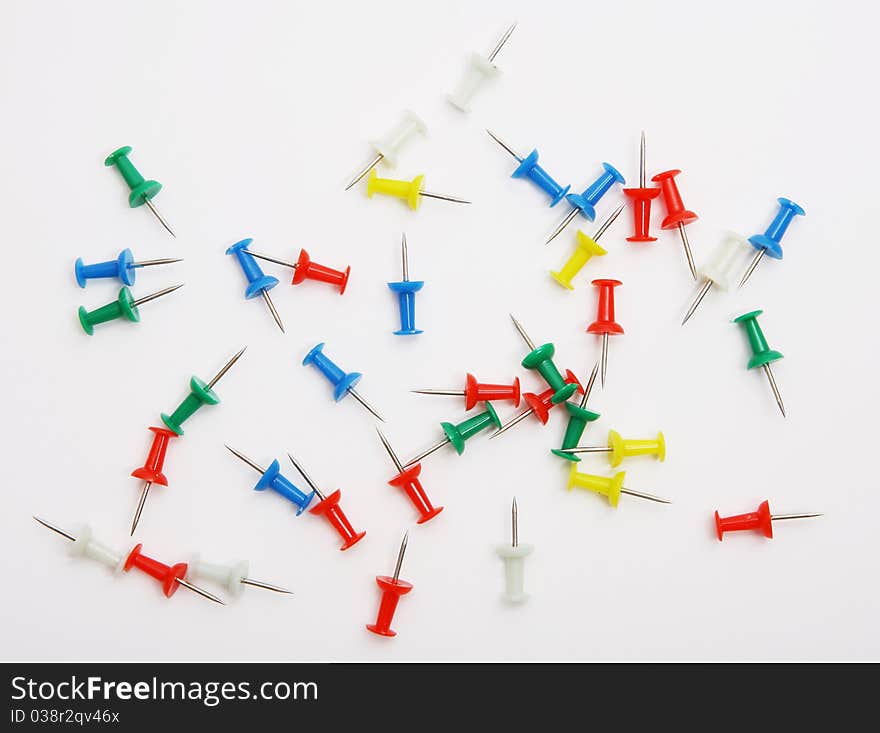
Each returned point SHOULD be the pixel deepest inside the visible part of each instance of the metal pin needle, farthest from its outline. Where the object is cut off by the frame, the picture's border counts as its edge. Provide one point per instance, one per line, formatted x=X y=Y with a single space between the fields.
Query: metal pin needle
x=266 y=586
x=404 y=258
x=443 y=197
x=272 y=310
x=514 y=529
x=400 y=555
x=769 y=372
x=642 y=161
x=49 y=525
x=641 y=495
x=201 y=591
x=604 y=357
x=156 y=213
x=501 y=42
x=426 y=453
x=258 y=468
x=504 y=145
x=259 y=256
x=522 y=332
x=776 y=517
x=226 y=368
x=372 y=164
x=367 y=405
x=151 y=263
x=390 y=450
x=306 y=476
x=687 y=250
x=757 y=258
x=153 y=296
x=140 y=507
x=707 y=286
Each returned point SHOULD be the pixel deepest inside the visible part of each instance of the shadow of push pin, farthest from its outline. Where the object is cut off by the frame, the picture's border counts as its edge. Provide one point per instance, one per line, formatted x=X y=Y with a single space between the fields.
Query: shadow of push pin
x=528 y=168
x=406 y=291
x=677 y=217
x=304 y=269
x=605 y=325
x=328 y=507
x=641 y=198
x=585 y=203
x=611 y=487
x=619 y=448
x=125 y=306
x=200 y=394
x=758 y=521
x=770 y=242
x=409 y=191
x=578 y=418
x=392 y=589
x=539 y=405
x=540 y=359
x=343 y=382
x=170 y=577
x=587 y=248
x=258 y=282
x=514 y=556
x=475 y=392
x=142 y=191
x=272 y=478
x=762 y=354
x=458 y=435
x=85 y=545
x=124 y=268
x=151 y=471
x=388 y=148
x=408 y=481
x=719 y=269
x=479 y=71
x=232 y=576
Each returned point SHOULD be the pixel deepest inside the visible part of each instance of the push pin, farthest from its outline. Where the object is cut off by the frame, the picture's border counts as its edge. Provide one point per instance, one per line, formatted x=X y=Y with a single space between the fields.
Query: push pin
x=85 y=545
x=169 y=576
x=770 y=242
x=587 y=248
x=641 y=198
x=258 y=282
x=458 y=435
x=199 y=394
x=388 y=147
x=762 y=354
x=759 y=521
x=408 y=480
x=406 y=291
x=529 y=168
x=272 y=478
x=123 y=268
x=514 y=556
x=719 y=270
x=304 y=269
x=392 y=589
x=578 y=417
x=479 y=71
x=151 y=471
x=605 y=323
x=125 y=306
x=676 y=215
x=343 y=383
x=142 y=192
x=619 y=448
x=611 y=487
x=585 y=203
x=409 y=191
x=475 y=392
x=233 y=576
x=541 y=360
x=539 y=405
x=329 y=507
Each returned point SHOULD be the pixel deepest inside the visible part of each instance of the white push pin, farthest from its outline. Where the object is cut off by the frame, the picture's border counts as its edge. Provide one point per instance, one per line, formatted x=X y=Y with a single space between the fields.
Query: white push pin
x=719 y=269
x=514 y=556
x=388 y=147
x=85 y=545
x=233 y=577
x=478 y=72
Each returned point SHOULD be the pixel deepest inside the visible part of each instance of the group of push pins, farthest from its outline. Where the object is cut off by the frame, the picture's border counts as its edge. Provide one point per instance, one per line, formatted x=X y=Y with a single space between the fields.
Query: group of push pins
x=560 y=387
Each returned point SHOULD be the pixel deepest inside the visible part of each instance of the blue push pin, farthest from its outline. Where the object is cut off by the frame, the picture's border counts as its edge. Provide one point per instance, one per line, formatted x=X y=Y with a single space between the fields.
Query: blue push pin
x=770 y=242
x=585 y=203
x=343 y=383
x=272 y=478
x=123 y=267
x=406 y=291
x=529 y=168
x=258 y=282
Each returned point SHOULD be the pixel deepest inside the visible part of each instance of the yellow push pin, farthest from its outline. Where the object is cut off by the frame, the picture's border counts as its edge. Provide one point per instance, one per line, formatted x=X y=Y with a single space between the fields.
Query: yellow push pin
x=409 y=191
x=620 y=448
x=587 y=248
x=611 y=487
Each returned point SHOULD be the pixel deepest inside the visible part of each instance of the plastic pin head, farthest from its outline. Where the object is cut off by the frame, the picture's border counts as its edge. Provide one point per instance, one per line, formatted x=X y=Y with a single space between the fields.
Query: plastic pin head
x=771 y=240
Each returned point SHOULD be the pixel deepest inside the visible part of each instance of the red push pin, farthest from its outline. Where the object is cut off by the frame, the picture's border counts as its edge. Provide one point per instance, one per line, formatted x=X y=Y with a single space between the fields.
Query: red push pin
x=759 y=521
x=305 y=269
x=605 y=323
x=475 y=392
x=539 y=404
x=392 y=590
x=641 y=198
x=151 y=471
x=408 y=480
x=676 y=214
x=329 y=507
x=170 y=576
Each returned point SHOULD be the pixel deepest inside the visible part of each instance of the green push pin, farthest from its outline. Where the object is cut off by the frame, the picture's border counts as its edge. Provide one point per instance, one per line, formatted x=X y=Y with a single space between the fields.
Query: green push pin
x=578 y=417
x=200 y=394
x=459 y=434
x=142 y=191
x=541 y=360
x=762 y=354
x=125 y=306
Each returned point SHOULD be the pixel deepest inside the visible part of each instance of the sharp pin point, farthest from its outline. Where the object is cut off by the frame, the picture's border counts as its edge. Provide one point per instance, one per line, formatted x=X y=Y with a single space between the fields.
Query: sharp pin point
x=49 y=525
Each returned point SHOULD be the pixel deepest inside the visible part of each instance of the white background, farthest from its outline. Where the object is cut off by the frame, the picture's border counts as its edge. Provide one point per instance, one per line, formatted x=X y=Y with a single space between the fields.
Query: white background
x=253 y=116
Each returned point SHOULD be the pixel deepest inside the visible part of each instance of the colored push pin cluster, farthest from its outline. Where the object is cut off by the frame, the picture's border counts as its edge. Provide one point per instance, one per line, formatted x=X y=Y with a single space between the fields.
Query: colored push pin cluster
x=641 y=198
x=406 y=291
x=770 y=242
x=392 y=589
x=619 y=448
x=514 y=556
x=258 y=282
x=677 y=216
x=585 y=203
x=578 y=418
x=272 y=478
x=539 y=405
x=123 y=268
x=611 y=487
x=475 y=392
x=407 y=480
x=478 y=72
x=304 y=269
x=605 y=325
x=587 y=248
x=151 y=471
x=458 y=435
x=528 y=168
x=125 y=306
x=200 y=394
x=762 y=354
x=343 y=382
x=719 y=270
x=540 y=359
x=388 y=148
x=142 y=191
x=757 y=521
x=232 y=576
x=409 y=191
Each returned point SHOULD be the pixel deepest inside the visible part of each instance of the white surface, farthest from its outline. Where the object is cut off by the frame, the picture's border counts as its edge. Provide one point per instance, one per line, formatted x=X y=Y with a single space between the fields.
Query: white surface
x=764 y=100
